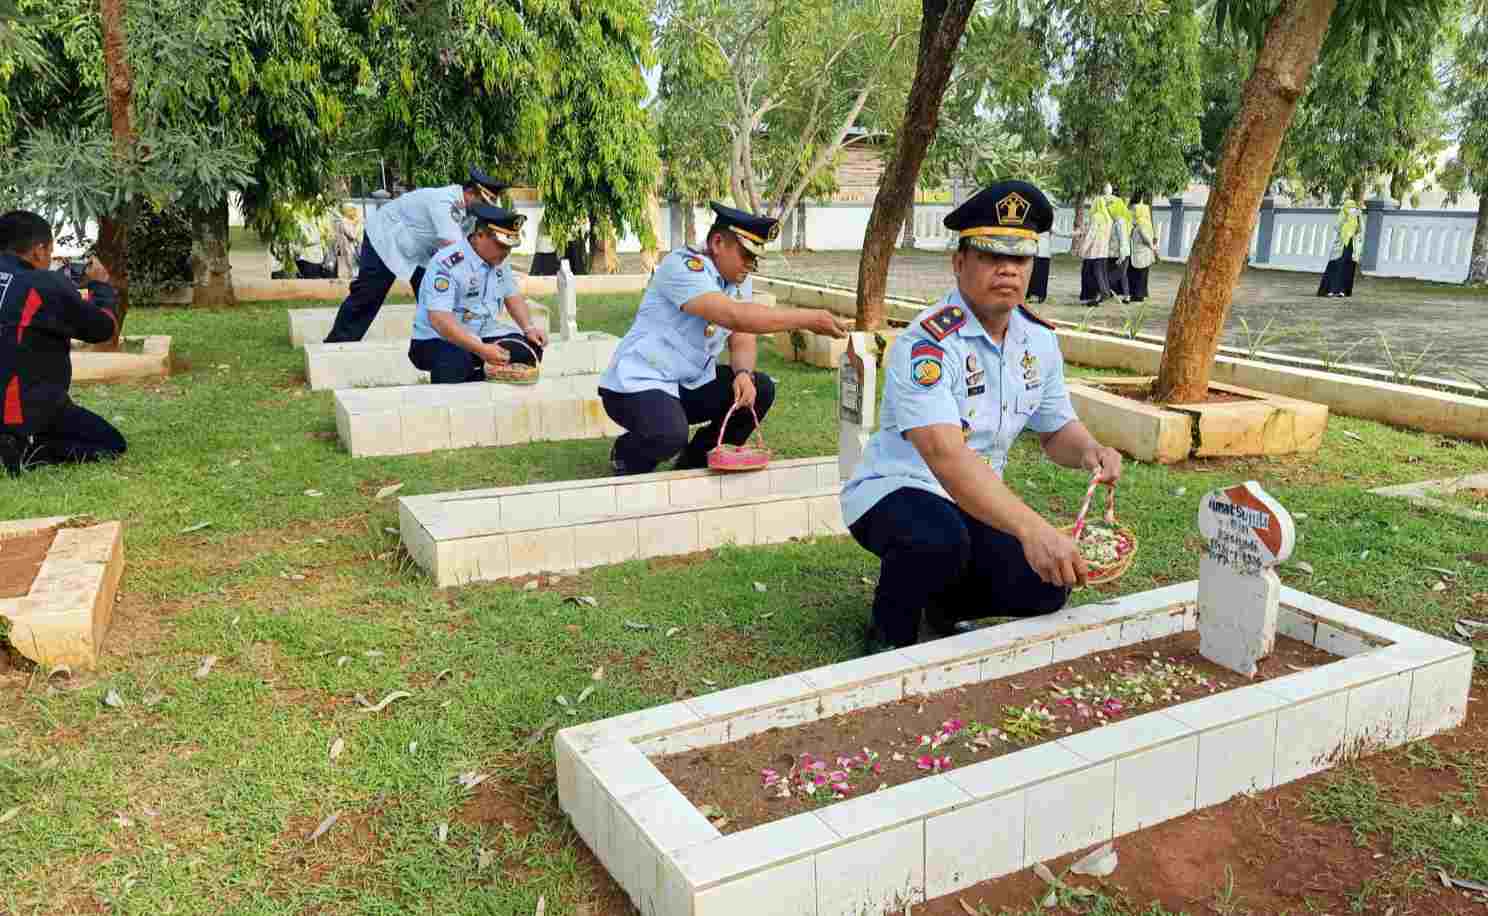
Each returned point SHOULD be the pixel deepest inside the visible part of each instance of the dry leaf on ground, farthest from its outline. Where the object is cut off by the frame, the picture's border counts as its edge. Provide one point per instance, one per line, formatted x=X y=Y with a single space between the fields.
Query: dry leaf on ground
x=337 y=747
x=206 y=667
x=320 y=831
x=395 y=695
x=387 y=491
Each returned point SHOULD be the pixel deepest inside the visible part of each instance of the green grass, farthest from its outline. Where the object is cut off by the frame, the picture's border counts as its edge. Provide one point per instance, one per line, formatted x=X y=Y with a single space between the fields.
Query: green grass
x=282 y=586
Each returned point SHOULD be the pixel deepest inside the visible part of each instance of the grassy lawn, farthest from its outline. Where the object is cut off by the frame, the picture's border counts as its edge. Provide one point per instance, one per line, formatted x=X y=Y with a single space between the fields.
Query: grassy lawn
x=198 y=795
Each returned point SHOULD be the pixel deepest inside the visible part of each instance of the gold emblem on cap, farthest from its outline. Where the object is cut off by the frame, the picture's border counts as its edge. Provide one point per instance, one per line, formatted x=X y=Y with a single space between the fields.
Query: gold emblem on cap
x=1013 y=208
x=774 y=232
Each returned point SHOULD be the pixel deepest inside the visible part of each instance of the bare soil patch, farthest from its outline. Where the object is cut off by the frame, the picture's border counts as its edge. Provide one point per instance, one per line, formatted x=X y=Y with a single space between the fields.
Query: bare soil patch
x=1279 y=858
x=783 y=772
x=1144 y=394
x=20 y=560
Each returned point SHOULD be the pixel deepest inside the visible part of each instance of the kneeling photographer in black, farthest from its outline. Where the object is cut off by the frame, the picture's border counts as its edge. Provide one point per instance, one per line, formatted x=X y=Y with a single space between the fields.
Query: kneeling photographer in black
x=41 y=311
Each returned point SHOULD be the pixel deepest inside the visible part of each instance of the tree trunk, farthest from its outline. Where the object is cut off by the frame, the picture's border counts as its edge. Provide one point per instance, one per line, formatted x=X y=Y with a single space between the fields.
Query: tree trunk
x=113 y=228
x=689 y=224
x=602 y=258
x=649 y=255
x=1269 y=100
x=211 y=268
x=1477 y=265
x=907 y=239
x=941 y=27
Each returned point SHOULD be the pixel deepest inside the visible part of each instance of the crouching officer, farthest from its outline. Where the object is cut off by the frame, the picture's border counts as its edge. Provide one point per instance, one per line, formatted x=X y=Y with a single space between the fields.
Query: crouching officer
x=665 y=374
x=965 y=378
x=469 y=310
x=41 y=311
x=400 y=239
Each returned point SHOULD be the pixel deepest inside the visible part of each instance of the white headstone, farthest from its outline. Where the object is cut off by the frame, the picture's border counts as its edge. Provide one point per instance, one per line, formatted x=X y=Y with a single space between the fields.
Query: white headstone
x=1247 y=534
x=568 y=304
x=857 y=390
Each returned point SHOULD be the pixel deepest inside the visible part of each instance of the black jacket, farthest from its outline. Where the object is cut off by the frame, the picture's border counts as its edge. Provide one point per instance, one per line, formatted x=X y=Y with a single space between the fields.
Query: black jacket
x=40 y=312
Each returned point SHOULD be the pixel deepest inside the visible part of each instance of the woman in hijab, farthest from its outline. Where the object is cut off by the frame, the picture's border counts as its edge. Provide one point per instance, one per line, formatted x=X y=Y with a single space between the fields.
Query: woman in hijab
x=1119 y=254
x=1092 y=242
x=1338 y=279
x=1144 y=248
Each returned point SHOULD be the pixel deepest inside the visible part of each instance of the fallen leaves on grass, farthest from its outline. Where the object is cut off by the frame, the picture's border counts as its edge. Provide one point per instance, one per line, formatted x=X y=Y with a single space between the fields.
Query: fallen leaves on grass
x=190 y=529
x=386 y=701
x=113 y=700
x=205 y=668
x=387 y=491
x=321 y=830
x=337 y=747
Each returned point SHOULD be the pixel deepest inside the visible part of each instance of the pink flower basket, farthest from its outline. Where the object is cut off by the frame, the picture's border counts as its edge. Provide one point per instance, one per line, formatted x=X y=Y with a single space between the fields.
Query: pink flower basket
x=747 y=457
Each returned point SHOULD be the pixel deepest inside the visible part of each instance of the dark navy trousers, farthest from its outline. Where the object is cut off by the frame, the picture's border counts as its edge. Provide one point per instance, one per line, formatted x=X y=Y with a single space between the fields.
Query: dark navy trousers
x=369 y=289
x=448 y=364
x=74 y=434
x=656 y=423
x=937 y=560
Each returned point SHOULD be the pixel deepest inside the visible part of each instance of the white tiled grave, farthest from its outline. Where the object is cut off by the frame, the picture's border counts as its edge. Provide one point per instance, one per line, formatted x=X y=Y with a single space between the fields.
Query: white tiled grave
x=384 y=363
x=413 y=419
x=557 y=527
x=871 y=854
x=393 y=322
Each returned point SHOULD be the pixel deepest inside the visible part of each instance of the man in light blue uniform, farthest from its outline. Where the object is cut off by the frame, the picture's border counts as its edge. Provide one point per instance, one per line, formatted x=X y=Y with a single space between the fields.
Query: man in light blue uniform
x=470 y=312
x=400 y=239
x=665 y=374
x=963 y=380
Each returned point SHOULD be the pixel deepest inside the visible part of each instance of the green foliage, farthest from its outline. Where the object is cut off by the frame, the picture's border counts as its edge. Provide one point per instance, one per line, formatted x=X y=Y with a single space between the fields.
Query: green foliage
x=600 y=160
x=1366 y=115
x=1467 y=89
x=1129 y=99
x=1224 y=66
x=787 y=84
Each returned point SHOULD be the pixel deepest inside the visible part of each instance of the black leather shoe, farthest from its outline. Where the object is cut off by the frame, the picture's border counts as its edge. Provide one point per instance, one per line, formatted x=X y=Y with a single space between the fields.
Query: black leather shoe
x=874 y=642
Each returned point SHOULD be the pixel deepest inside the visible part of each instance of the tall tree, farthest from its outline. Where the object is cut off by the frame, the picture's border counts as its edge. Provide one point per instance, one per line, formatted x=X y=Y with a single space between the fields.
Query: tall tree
x=795 y=83
x=1365 y=117
x=1467 y=88
x=113 y=225
x=942 y=25
x=600 y=162
x=1289 y=35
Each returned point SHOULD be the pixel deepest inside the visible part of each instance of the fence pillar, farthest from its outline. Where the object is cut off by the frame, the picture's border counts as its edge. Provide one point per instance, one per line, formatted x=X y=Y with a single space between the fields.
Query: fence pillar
x=1175 y=228
x=1374 y=230
x=1265 y=230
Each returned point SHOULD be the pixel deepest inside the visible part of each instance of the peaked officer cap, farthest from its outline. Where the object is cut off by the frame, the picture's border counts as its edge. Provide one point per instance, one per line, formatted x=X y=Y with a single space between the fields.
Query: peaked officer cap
x=505 y=224
x=753 y=232
x=1005 y=218
x=489 y=187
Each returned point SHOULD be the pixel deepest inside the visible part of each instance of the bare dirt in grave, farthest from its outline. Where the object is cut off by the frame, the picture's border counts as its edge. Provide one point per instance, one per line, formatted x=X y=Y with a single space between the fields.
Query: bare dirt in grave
x=20 y=560
x=1266 y=855
x=728 y=781
x=1143 y=394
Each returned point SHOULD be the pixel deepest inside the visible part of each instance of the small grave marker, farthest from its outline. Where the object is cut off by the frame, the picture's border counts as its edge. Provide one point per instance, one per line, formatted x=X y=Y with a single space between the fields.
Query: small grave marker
x=1247 y=534
x=857 y=386
x=568 y=307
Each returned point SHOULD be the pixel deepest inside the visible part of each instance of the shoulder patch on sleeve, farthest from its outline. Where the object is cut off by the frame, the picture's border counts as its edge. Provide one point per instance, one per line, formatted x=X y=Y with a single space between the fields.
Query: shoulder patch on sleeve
x=945 y=322
x=441 y=283
x=926 y=364
x=694 y=264
x=453 y=258
x=1036 y=319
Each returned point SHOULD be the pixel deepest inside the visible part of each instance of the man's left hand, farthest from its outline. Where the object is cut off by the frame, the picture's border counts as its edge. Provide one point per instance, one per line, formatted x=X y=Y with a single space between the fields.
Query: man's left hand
x=1105 y=460
x=744 y=389
x=537 y=335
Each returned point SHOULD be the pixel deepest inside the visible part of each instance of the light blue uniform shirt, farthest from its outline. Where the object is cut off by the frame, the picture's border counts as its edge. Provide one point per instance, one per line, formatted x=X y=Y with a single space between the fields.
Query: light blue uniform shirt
x=964 y=379
x=666 y=347
x=406 y=232
x=457 y=280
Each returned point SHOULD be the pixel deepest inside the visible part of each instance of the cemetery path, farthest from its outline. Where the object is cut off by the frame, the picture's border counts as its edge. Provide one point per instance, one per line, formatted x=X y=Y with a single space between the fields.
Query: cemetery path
x=1411 y=314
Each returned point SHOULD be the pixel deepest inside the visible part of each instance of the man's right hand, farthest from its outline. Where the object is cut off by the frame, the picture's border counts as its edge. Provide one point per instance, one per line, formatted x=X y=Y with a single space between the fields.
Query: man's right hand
x=827 y=324
x=1054 y=556
x=96 y=272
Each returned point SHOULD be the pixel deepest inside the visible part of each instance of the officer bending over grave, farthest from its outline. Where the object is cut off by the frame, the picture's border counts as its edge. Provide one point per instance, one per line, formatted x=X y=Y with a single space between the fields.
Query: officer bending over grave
x=967 y=376
x=400 y=238
x=469 y=310
x=41 y=312
x=665 y=374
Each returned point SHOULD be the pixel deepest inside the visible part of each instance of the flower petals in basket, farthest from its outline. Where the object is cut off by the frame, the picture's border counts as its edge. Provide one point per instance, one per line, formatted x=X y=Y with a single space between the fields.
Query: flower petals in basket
x=1108 y=549
x=512 y=373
